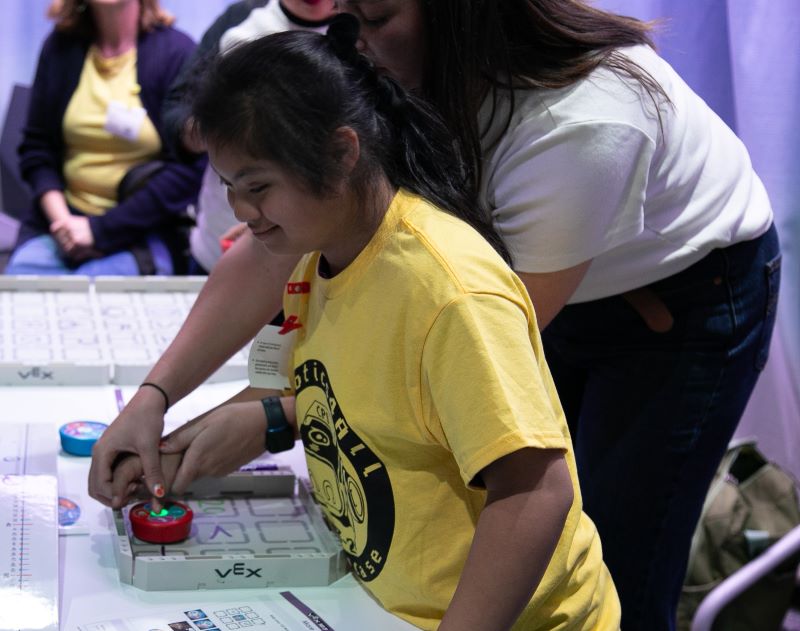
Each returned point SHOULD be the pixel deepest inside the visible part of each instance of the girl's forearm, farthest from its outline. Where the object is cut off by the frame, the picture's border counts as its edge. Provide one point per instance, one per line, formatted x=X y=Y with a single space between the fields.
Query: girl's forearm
x=243 y=293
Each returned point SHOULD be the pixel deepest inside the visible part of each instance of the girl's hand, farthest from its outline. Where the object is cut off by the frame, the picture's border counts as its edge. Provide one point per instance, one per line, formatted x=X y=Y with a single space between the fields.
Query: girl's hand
x=222 y=441
x=128 y=483
x=137 y=430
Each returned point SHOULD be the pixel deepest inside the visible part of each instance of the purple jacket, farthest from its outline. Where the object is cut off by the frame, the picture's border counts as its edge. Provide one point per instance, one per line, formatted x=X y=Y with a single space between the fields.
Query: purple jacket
x=157 y=207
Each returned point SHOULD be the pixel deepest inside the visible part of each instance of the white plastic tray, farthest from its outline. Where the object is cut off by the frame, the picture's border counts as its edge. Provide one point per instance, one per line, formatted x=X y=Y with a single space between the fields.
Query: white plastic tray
x=250 y=529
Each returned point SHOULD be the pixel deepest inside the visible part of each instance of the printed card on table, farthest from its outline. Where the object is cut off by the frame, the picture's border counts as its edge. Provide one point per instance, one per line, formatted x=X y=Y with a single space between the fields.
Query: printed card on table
x=268 y=363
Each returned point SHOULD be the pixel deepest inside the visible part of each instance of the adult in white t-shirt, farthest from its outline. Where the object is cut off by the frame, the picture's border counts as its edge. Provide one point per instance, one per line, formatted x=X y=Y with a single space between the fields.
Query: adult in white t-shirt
x=645 y=239
x=593 y=172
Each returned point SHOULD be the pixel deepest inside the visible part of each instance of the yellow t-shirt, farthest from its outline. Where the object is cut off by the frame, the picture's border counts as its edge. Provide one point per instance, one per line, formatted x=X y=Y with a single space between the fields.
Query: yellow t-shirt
x=96 y=160
x=414 y=368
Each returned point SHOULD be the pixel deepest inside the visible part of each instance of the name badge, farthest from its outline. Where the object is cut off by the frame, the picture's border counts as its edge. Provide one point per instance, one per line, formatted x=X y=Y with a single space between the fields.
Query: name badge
x=123 y=121
x=268 y=362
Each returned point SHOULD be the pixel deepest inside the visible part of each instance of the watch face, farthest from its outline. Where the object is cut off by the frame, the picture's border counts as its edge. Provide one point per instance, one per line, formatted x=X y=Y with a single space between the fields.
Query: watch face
x=281 y=439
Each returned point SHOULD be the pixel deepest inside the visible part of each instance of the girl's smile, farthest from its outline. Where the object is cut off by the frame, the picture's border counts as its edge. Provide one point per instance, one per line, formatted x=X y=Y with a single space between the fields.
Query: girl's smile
x=285 y=216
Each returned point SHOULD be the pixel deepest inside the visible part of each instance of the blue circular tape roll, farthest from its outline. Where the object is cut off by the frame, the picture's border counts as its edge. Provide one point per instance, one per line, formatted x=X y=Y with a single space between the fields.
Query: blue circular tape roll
x=78 y=437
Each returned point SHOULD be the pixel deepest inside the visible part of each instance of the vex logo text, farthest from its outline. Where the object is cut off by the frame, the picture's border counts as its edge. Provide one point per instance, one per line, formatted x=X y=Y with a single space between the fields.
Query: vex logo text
x=240 y=569
x=35 y=373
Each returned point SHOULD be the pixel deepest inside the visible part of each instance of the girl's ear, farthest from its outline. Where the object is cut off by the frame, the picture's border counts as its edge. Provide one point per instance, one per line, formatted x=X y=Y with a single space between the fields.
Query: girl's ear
x=345 y=140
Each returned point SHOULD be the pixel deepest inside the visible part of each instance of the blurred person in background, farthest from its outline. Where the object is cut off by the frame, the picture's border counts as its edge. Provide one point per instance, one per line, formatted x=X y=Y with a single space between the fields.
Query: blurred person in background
x=243 y=21
x=95 y=116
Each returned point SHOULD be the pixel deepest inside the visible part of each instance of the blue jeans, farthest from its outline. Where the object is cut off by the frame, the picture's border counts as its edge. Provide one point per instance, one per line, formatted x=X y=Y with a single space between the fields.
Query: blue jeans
x=41 y=255
x=651 y=413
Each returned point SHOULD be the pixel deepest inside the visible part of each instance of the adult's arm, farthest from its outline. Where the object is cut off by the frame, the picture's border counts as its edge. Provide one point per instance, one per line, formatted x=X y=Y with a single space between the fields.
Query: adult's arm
x=529 y=494
x=242 y=294
x=41 y=149
x=54 y=206
x=549 y=292
x=226 y=438
x=215 y=443
x=564 y=195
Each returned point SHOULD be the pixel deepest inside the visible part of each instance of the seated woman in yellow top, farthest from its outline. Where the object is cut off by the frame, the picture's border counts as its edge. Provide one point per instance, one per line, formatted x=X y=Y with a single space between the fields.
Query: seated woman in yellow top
x=95 y=114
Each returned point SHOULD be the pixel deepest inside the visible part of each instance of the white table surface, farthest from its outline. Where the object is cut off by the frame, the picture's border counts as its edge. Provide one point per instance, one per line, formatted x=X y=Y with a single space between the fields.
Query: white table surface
x=89 y=587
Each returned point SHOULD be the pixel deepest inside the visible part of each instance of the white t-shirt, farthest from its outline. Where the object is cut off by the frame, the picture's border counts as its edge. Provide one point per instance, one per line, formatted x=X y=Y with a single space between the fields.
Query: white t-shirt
x=215 y=216
x=589 y=172
x=264 y=21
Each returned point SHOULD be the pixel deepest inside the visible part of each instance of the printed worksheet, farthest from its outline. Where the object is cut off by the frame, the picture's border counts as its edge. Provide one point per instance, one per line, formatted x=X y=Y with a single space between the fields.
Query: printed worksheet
x=282 y=611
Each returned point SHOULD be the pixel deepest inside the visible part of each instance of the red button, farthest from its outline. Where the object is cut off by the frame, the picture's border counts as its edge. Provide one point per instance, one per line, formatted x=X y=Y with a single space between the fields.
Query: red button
x=171 y=525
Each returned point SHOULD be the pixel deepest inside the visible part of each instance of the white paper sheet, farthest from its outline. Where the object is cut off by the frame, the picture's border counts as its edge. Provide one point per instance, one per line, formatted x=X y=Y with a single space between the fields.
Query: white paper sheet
x=28 y=529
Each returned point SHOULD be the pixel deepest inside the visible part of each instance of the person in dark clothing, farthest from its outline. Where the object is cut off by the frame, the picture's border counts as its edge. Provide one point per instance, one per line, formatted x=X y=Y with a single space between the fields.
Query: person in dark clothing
x=242 y=21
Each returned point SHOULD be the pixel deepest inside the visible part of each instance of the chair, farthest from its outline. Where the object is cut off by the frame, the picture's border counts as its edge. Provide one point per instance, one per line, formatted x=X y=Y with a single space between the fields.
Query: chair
x=738 y=582
x=16 y=195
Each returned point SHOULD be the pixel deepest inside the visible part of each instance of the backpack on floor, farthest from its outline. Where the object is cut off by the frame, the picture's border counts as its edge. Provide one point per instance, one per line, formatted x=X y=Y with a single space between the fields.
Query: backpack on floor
x=751 y=504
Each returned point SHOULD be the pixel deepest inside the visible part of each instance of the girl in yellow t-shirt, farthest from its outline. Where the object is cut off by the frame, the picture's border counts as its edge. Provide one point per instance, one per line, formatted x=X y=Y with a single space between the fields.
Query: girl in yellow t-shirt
x=435 y=441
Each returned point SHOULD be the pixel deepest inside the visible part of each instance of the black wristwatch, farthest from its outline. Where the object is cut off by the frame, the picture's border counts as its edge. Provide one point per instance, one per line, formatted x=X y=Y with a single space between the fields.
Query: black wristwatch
x=280 y=435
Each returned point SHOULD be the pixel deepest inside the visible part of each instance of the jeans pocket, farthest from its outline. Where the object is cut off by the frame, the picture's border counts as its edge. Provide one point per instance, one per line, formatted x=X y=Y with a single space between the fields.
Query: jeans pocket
x=772 y=273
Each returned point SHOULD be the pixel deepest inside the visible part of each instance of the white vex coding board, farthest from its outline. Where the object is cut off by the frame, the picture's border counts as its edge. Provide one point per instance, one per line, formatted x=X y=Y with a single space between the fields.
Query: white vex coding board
x=82 y=331
x=28 y=529
x=250 y=530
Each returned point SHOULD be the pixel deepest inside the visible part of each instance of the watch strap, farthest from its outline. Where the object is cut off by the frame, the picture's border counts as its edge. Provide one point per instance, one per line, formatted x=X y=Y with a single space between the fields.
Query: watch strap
x=279 y=435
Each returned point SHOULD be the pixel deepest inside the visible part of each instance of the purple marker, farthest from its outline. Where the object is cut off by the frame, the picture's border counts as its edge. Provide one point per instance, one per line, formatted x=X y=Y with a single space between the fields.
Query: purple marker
x=259 y=466
x=120 y=400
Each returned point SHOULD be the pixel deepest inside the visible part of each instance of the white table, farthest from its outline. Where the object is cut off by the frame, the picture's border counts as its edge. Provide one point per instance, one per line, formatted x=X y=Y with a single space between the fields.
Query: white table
x=89 y=587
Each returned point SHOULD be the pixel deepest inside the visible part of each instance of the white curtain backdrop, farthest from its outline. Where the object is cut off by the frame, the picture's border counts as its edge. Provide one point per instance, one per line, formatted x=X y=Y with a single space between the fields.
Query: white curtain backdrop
x=741 y=56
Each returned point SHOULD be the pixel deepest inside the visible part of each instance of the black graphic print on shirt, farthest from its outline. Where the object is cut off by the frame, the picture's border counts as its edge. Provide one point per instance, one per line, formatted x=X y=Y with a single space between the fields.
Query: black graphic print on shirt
x=348 y=480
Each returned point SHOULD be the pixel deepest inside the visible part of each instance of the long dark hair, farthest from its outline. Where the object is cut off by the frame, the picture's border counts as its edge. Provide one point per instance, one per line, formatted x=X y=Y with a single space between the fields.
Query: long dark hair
x=282 y=97
x=505 y=44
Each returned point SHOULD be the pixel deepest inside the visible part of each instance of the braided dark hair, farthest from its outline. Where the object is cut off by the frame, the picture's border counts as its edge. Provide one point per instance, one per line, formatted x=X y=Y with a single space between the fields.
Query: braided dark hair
x=282 y=97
